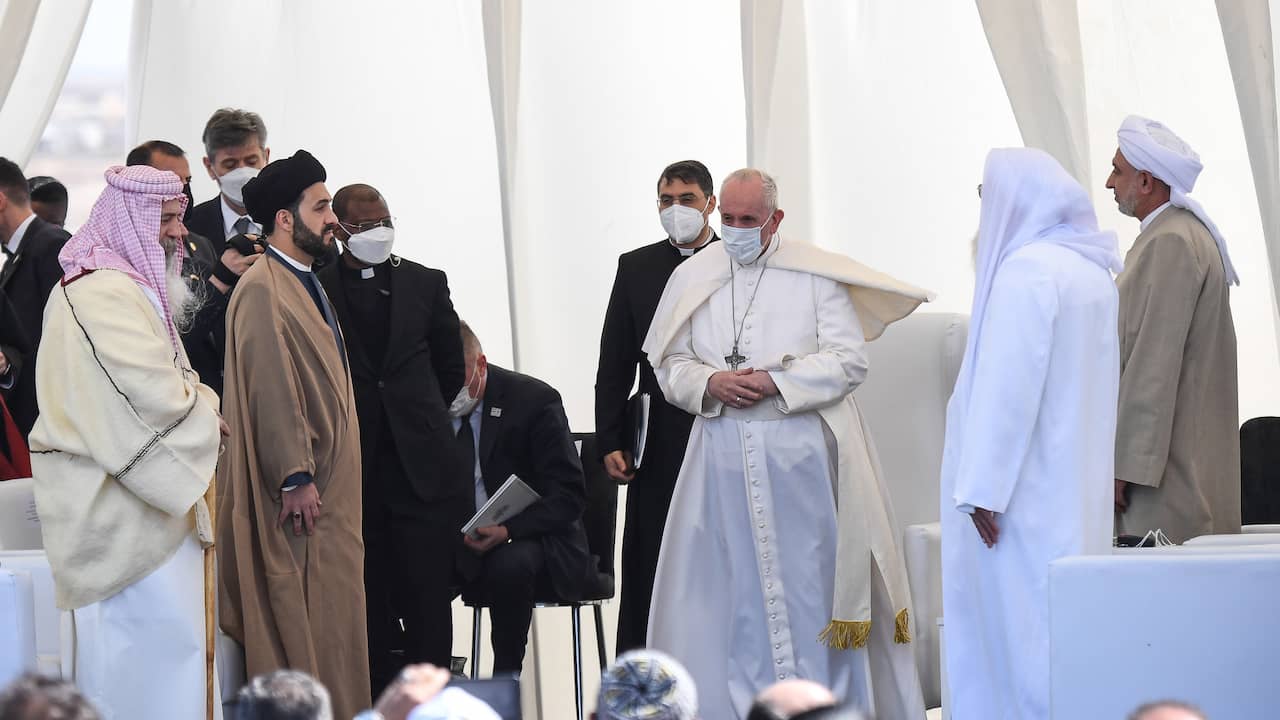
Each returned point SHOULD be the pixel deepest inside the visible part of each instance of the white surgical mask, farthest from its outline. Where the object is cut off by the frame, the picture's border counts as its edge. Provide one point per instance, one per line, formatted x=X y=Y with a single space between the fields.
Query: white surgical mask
x=464 y=402
x=742 y=244
x=232 y=184
x=372 y=247
x=683 y=224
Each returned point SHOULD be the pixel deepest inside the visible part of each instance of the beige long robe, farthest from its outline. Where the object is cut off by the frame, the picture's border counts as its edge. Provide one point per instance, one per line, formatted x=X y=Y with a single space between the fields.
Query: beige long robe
x=292 y=602
x=1177 y=437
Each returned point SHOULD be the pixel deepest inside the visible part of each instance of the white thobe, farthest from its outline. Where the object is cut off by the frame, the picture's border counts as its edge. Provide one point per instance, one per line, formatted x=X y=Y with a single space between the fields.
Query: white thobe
x=746 y=573
x=1037 y=447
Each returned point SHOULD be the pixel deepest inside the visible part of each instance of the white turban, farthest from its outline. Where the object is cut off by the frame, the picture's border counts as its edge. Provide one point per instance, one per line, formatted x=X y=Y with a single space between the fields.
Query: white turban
x=1151 y=147
x=647 y=685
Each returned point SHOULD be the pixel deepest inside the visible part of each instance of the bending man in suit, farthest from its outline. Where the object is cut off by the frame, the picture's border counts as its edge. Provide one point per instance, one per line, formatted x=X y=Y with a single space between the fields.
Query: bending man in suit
x=210 y=277
x=406 y=365
x=31 y=269
x=513 y=424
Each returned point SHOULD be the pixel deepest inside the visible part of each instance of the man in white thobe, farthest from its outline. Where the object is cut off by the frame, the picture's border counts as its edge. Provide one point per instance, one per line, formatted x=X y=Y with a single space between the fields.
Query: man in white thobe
x=123 y=452
x=1026 y=470
x=760 y=578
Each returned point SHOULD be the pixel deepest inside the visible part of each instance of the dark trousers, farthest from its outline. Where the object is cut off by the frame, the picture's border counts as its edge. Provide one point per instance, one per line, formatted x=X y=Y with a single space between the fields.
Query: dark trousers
x=510 y=578
x=410 y=550
x=641 y=540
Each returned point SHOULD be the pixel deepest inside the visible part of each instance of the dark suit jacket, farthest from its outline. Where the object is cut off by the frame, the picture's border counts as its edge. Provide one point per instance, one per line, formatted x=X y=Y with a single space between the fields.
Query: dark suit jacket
x=206 y=219
x=205 y=341
x=27 y=279
x=13 y=343
x=408 y=396
x=524 y=432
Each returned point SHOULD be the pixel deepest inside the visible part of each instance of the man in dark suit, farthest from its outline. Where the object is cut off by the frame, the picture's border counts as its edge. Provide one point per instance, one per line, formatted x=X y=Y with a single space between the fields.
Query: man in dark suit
x=235 y=146
x=31 y=248
x=405 y=355
x=685 y=200
x=49 y=199
x=210 y=274
x=516 y=425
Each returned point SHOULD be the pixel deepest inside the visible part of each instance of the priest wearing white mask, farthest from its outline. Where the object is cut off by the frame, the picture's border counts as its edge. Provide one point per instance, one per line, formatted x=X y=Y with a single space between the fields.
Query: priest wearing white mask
x=760 y=577
x=1027 y=463
x=405 y=354
x=1177 y=443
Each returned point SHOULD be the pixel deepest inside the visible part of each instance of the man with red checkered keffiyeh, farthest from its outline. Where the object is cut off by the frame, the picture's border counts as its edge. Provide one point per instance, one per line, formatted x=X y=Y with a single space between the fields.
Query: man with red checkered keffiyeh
x=123 y=453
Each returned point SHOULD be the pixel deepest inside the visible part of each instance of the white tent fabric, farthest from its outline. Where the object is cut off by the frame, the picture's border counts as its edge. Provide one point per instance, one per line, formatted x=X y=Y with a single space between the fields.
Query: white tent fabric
x=1036 y=45
x=51 y=33
x=1250 y=42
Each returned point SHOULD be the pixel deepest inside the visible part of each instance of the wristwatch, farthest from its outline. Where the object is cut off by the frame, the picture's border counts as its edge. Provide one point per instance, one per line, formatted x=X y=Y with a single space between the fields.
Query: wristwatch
x=369 y=714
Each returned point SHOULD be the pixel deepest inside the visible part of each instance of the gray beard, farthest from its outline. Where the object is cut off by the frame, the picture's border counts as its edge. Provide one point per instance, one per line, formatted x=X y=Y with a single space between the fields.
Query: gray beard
x=184 y=301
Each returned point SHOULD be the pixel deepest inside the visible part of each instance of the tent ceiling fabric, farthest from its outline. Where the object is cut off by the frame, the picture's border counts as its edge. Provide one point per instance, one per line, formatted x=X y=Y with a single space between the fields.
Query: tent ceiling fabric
x=52 y=37
x=16 y=20
x=529 y=135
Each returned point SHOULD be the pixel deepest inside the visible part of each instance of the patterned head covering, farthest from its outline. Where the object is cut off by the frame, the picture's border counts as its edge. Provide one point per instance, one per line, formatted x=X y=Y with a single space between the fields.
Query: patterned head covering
x=647 y=685
x=123 y=233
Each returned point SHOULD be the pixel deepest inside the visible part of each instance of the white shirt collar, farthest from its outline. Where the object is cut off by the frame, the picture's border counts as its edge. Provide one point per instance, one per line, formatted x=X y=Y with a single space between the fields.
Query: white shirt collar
x=16 y=240
x=1146 y=221
x=294 y=263
x=229 y=218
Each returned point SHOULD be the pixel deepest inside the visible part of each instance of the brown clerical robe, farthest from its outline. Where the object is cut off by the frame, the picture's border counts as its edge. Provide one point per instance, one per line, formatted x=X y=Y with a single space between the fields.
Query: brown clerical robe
x=1176 y=437
x=292 y=602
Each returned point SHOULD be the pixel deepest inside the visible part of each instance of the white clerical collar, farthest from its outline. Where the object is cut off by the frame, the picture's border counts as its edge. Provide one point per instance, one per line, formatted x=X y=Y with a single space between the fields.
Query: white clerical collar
x=230 y=217
x=689 y=250
x=15 y=241
x=293 y=263
x=1146 y=221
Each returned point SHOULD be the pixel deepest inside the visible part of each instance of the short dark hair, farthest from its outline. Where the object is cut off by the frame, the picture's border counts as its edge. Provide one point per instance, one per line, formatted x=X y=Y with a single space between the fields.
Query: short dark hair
x=229 y=127
x=45 y=189
x=141 y=155
x=359 y=192
x=13 y=183
x=284 y=695
x=690 y=171
x=1167 y=704
x=36 y=697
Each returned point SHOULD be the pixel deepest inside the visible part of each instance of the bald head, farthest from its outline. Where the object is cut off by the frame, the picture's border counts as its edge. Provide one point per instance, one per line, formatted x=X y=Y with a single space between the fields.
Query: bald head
x=791 y=697
x=1167 y=710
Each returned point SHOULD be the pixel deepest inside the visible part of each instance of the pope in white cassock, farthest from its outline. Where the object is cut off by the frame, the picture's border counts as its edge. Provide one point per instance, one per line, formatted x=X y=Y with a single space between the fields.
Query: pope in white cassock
x=1027 y=463
x=778 y=559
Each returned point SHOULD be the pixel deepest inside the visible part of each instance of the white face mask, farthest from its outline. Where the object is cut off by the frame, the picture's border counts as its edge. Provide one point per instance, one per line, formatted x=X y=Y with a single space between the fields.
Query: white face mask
x=372 y=247
x=464 y=402
x=683 y=224
x=232 y=184
x=742 y=244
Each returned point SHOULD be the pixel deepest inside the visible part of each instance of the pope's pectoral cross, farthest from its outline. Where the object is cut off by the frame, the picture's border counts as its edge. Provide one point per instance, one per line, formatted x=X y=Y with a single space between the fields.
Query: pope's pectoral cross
x=735 y=359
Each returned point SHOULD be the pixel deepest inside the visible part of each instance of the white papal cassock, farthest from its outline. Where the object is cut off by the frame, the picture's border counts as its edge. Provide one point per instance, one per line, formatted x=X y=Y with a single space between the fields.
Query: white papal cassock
x=748 y=567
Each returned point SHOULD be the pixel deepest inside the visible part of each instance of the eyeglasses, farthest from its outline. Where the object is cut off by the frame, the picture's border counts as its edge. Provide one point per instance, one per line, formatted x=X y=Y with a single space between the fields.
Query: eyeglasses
x=355 y=229
x=979 y=190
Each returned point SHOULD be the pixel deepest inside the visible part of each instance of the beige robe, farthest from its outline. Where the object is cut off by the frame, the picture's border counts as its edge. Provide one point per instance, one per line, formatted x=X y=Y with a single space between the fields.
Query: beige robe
x=1177 y=437
x=292 y=602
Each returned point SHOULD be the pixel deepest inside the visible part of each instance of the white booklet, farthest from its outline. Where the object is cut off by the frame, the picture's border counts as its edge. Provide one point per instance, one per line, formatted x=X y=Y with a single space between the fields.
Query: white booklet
x=513 y=497
x=19 y=523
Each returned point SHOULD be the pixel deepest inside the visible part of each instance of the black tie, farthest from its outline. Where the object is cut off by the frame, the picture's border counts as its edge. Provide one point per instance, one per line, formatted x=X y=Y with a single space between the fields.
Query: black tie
x=467 y=446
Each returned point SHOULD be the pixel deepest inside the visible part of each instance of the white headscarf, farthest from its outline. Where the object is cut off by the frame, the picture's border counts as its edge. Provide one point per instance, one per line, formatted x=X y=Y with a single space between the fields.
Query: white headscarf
x=1027 y=197
x=647 y=685
x=1151 y=147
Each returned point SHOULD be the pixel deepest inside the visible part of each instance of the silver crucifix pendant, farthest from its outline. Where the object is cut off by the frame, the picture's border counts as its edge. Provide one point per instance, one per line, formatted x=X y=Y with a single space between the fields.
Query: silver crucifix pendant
x=734 y=359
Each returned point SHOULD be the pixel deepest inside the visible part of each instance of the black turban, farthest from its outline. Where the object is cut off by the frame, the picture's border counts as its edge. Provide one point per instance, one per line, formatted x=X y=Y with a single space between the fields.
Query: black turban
x=279 y=185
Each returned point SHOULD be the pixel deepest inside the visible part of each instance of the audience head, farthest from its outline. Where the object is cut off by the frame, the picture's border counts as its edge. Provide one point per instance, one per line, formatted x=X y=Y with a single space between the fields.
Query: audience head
x=290 y=202
x=49 y=199
x=1168 y=710
x=164 y=155
x=15 y=198
x=686 y=198
x=35 y=697
x=283 y=695
x=648 y=685
x=477 y=373
x=791 y=698
x=365 y=226
x=235 y=149
x=749 y=213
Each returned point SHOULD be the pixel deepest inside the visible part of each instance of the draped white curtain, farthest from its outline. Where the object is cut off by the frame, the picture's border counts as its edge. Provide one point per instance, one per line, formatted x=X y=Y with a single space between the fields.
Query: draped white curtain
x=37 y=43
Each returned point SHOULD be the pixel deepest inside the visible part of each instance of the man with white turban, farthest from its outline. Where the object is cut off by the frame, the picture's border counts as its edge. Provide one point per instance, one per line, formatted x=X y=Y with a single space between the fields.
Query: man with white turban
x=1177 y=446
x=648 y=685
x=123 y=452
x=1027 y=461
